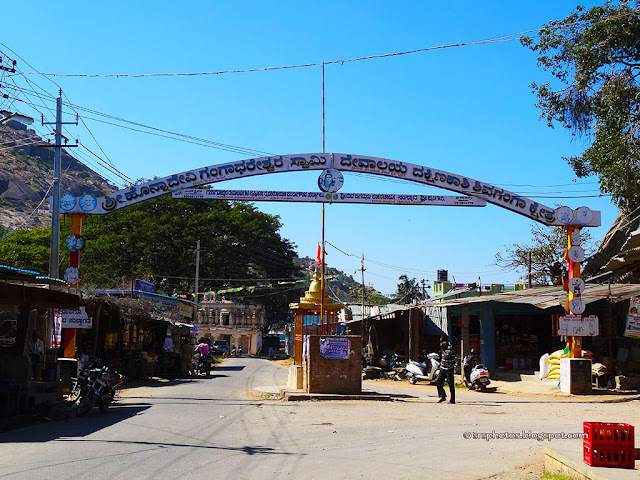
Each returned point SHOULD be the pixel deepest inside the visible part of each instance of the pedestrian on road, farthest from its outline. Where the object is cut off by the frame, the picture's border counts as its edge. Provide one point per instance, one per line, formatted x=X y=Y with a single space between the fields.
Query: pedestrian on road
x=186 y=365
x=446 y=372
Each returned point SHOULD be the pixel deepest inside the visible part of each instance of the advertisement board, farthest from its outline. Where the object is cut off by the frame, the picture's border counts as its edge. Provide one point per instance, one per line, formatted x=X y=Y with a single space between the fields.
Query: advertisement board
x=333 y=347
x=633 y=319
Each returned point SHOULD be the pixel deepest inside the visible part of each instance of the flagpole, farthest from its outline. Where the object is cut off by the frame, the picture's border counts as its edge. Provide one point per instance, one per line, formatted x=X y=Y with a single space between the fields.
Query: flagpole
x=322 y=277
x=322 y=266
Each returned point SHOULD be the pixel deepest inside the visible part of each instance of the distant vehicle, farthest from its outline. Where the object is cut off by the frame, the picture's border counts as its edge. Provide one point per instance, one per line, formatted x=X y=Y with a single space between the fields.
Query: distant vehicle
x=220 y=347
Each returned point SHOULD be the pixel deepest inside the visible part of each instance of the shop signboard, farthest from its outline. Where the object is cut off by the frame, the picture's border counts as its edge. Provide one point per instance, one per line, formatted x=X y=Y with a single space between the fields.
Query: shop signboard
x=578 y=326
x=633 y=319
x=168 y=304
x=74 y=318
x=333 y=347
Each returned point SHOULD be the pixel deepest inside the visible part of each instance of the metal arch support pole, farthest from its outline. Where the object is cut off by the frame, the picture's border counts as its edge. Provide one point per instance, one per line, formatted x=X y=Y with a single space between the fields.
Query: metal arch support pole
x=575 y=345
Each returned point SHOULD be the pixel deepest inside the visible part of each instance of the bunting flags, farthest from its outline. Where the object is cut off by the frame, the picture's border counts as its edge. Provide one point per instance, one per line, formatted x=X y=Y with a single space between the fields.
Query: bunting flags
x=252 y=288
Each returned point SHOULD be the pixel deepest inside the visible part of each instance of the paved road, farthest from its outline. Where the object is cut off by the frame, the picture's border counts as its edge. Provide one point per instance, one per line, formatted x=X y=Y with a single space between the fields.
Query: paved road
x=210 y=428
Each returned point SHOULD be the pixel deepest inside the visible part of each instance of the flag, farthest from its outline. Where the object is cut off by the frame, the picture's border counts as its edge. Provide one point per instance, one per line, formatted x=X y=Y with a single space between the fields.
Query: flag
x=362 y=261
x=319 y=254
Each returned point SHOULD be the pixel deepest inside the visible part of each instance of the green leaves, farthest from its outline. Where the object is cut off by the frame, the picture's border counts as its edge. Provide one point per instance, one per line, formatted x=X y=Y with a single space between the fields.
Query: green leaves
x=595 y=56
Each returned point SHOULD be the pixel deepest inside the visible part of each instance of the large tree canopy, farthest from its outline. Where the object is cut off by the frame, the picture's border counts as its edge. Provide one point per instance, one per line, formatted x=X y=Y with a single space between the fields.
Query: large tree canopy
x=594 y=55
x=156 y=241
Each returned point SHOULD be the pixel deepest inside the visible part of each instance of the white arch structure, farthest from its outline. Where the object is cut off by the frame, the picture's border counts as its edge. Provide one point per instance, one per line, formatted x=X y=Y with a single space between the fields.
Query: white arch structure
x=503 y=198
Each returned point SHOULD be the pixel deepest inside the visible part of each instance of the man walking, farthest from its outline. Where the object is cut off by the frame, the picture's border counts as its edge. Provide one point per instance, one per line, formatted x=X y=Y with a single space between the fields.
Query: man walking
x=446 y=372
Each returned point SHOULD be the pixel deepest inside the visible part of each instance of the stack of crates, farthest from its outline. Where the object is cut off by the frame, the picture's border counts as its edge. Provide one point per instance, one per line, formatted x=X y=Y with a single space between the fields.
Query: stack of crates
x=608 y=445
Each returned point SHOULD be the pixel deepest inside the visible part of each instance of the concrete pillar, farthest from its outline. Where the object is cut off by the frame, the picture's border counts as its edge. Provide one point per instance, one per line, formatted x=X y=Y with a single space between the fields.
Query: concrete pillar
x=487 y=338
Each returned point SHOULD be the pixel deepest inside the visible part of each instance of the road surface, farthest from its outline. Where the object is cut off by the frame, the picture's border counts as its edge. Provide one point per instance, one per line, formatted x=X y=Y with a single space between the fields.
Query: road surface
x=213 y=428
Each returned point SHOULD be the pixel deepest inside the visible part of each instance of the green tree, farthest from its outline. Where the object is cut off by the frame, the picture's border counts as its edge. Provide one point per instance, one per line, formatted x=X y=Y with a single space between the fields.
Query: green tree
x=371 y=296
x=594 y=56
x=545 y=250
x=408 y=291
x=27 y=249
x=156 y=240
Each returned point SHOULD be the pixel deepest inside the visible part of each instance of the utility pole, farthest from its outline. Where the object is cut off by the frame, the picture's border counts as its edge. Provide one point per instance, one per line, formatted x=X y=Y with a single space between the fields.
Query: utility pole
x=362 y=270
x=424 y=293
x=197 y=279
x=529 y=269
x=54 y=257
x=54 y=253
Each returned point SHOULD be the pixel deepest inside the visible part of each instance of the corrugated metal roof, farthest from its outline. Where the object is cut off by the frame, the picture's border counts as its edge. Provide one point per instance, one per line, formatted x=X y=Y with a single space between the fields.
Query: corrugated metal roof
x=547 y=297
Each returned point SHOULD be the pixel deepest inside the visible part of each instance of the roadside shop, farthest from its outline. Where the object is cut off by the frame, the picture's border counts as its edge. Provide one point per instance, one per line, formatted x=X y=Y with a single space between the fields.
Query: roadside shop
x=24 y=304
x=512 y=330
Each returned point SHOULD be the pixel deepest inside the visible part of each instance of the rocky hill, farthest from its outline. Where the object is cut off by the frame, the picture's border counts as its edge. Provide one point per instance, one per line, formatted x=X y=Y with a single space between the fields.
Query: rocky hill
x=26 y=173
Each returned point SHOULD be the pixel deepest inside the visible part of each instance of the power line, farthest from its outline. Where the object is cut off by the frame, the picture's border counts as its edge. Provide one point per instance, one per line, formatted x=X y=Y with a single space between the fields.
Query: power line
x=503 y=39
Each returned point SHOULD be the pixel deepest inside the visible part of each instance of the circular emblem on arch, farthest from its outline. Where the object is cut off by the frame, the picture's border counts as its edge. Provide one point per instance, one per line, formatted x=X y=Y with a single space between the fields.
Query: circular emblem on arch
x=576 y=285
x=576 y=254
x=564 y=215
x=73 y=276
x=584 y=215
x=330 y=180
x=577 y=305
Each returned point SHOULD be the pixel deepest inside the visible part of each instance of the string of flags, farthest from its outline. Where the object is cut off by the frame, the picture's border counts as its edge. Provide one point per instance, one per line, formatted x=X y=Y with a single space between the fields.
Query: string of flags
x=251 y=288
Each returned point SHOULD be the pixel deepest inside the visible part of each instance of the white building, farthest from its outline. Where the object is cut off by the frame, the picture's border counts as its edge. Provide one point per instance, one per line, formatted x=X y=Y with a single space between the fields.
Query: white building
x=239 y=324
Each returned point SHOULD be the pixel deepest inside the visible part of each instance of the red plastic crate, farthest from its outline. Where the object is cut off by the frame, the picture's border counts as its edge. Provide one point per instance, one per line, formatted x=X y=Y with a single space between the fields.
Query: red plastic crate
x=619 y=435
x=608 y=456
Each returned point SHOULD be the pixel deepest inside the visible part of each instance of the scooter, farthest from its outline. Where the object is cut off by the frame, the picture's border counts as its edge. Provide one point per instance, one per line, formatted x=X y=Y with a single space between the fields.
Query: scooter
x=427 y=371
x=475 y=375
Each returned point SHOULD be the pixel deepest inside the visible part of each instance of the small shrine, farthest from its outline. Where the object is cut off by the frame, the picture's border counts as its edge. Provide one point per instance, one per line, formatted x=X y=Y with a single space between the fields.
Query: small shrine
x=324 y=362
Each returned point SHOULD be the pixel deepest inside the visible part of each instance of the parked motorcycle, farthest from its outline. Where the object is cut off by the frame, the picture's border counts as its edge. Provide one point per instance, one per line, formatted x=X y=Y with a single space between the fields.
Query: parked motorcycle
x=474 y=374
x=81 y=384
x=427 y=370
x=101 y=390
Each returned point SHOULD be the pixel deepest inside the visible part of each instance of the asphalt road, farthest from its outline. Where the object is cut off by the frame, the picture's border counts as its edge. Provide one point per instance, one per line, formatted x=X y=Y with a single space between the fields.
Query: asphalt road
x=212 y=428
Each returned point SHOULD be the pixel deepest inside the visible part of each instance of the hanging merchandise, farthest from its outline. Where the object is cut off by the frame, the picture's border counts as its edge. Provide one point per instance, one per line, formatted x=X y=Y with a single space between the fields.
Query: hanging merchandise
x=125 y=336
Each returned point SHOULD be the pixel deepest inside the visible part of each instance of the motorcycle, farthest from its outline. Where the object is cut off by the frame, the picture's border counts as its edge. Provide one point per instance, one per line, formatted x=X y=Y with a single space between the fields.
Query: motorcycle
x=102 y=386
x=475 y=375
x=427 y=370
x=203 y=364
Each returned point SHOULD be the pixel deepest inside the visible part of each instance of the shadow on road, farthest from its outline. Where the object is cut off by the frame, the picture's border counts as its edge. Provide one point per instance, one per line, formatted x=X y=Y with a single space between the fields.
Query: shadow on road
x=237 y=368
x=247 y=449
x=74 y=426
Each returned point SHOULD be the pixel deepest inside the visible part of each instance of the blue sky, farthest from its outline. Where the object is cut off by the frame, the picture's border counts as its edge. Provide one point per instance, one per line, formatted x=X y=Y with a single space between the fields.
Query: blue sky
x=467 y=110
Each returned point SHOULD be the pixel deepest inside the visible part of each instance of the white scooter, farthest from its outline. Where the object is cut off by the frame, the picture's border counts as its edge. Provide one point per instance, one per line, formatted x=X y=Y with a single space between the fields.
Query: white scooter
x=475 y=375
x=427 y=371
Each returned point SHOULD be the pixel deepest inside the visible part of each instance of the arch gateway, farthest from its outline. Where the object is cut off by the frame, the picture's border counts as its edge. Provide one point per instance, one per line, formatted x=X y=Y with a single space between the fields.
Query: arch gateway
x=472 y=193
x=475 y=192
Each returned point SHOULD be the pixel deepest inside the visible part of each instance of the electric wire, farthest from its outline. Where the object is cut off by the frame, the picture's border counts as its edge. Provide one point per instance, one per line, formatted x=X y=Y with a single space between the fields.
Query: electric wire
x=502 y=39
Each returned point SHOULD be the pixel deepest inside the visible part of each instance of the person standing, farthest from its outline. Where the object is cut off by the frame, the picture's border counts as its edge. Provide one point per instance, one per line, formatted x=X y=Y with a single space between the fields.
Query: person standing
x=186 y=364
x=446 y=372
x=35 y=350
